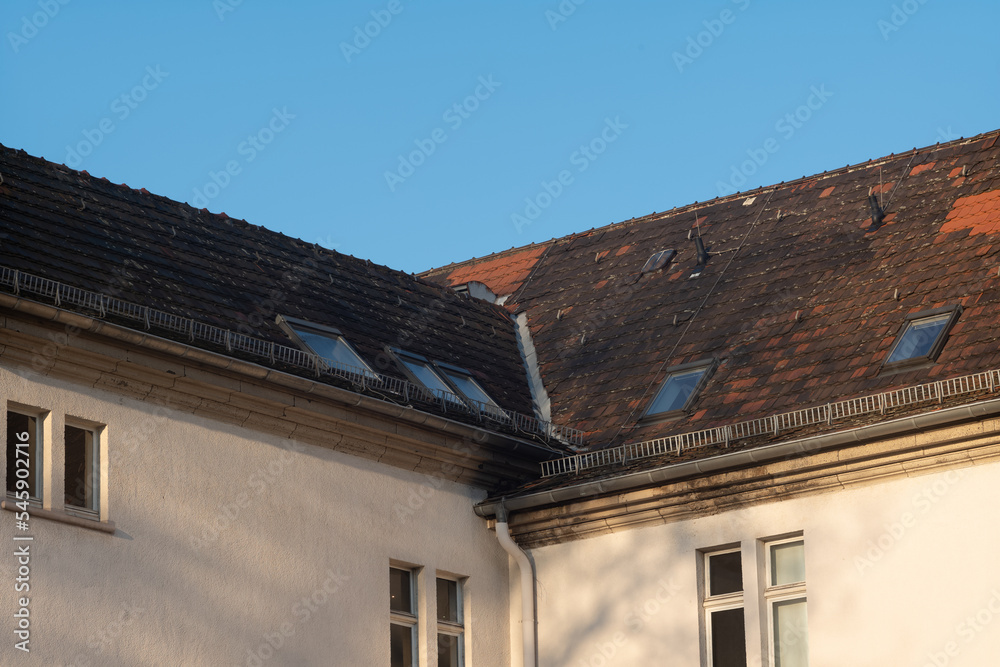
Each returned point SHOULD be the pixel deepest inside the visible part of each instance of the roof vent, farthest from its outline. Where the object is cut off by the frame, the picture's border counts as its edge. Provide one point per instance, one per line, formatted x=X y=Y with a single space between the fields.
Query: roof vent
x=658 y=261
x=702 y=253
x=878 y=215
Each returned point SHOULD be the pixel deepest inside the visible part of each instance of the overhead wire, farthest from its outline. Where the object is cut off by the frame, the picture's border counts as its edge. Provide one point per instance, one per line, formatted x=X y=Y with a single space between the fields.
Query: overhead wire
x=694 y=317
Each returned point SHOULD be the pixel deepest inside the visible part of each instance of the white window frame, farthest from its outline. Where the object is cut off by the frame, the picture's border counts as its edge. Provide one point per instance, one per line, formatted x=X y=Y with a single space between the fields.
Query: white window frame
x=453 y=628
x=99 y=469
x=292 y=327
x=772 y=594
x=41 y=456
x=724 y=602
x=408 y=620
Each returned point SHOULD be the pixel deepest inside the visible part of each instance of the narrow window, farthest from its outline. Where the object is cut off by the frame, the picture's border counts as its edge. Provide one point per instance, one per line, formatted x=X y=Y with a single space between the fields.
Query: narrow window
x=82 y=481
x=785 y=596
x=328 y=344
x=451 y=631
x=402 y=617
x=724 y=623
x=24 y=455
x=923 y=337
x=678 y=391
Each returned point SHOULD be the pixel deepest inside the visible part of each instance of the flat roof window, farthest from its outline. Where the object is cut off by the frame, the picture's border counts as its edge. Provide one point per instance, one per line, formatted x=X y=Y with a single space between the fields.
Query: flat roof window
x=327 y=343
x=427 y=376
x=470 y=388
x=923 y=337
x=679 y=390
x=449 y=382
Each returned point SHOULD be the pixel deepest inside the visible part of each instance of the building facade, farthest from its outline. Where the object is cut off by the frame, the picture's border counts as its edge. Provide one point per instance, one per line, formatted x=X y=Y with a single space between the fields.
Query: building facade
x=760 y=430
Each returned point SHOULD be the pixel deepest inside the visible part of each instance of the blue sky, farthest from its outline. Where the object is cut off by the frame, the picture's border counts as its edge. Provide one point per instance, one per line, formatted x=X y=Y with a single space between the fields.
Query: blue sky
x=416 y=134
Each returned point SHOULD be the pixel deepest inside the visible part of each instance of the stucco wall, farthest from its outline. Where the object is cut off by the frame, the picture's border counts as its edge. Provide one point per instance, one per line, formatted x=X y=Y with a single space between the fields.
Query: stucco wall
x=896 y=574
x=167 y=588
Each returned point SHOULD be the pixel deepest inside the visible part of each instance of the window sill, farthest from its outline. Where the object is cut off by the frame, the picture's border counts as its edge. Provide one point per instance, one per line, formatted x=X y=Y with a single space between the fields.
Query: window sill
x=60 y=517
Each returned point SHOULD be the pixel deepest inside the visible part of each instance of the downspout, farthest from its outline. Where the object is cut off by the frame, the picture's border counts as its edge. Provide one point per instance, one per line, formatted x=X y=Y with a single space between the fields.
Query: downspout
x=527 y=586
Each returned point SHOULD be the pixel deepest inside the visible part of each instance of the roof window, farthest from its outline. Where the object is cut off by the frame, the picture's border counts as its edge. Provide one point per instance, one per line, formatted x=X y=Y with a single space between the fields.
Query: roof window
x=679 y=390
x=448 y=382
x=327 y=343
x=923 y=337
x=658 y=261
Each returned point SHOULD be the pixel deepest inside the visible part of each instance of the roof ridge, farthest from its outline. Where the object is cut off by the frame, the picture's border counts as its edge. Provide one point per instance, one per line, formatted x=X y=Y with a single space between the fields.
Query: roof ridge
x=699 y=205
x=88 y=179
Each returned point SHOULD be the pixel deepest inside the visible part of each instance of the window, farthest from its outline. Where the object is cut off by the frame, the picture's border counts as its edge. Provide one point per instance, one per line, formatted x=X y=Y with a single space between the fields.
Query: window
x=450 y=383
x=470 y=389
x=402 y=617
x=82 y=482
x=24 y=455
x=923 y=337
x=785 y=597
x=328 y=344
x=451 y=632
x=723 y=605
x=425 y=374
x=679 y=390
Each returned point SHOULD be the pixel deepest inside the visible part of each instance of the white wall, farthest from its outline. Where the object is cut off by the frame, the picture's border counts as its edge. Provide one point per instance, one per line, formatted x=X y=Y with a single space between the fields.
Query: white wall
x=153 y=594
x=897 y=573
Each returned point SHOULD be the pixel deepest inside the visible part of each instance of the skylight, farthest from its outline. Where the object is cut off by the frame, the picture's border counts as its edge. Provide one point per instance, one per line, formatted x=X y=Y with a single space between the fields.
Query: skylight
x=328 y=344
x=449 y=382
x=470 y=388
x=427 y=376
x=923 y=338
x=678 y=391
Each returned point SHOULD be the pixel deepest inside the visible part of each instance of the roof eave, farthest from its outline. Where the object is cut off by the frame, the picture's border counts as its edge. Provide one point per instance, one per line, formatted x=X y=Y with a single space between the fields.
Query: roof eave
x=745 y=458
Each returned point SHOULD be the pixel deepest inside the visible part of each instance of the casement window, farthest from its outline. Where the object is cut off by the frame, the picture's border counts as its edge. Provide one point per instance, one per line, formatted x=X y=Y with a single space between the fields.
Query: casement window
x=922 y=338
x=79 y=496
x=24 y=455
x=83 y=469
x=725 y=626
x=328 y=344
x=785 y=599
x=450 y=623
x=775 y=602
x=402 y=617
x=679 y=390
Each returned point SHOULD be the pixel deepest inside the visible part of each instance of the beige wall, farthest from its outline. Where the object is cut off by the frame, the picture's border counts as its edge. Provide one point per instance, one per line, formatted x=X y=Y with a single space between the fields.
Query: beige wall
x=900 y=572
x=168 y=589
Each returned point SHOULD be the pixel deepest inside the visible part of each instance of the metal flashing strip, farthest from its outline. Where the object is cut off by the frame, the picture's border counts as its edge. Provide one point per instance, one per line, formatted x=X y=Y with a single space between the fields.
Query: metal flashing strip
x=102 y=306
x=986 y=381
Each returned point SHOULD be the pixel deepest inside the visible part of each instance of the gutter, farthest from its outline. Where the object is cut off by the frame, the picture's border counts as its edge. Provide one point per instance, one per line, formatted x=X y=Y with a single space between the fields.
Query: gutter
x=403 y=413
x=527 y=587
x=801 y=446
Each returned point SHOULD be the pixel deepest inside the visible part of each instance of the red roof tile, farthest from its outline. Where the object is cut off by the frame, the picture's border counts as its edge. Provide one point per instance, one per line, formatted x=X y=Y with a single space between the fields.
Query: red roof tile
x=799 y=303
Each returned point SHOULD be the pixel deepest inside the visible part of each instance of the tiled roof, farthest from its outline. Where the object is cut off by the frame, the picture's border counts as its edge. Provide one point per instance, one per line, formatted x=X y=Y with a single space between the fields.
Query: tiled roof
x=799 y=304
x=503 y=273
x=89 y=233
